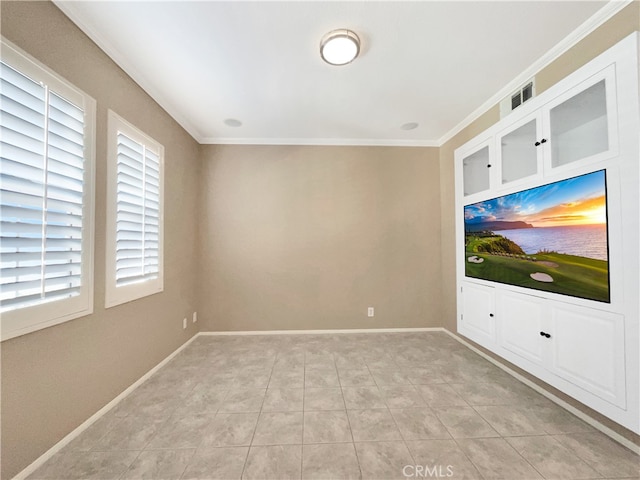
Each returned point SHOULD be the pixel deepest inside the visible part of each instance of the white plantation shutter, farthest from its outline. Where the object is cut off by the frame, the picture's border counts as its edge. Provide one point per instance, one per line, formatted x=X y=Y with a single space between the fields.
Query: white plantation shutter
x=134 y=242
x=44 y=210
x=22 y=187
x=41 y=188
x=138 y=209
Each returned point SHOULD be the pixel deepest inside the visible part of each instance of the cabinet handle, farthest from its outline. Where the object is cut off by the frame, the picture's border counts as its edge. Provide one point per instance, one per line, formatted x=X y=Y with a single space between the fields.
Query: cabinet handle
x=544 y=140
x=489 y=166
x=537 y=144
x=491 y=314
x=544 y=334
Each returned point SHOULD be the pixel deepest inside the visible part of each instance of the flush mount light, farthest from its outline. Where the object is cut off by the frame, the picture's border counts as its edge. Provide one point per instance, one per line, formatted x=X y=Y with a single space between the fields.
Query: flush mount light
x=409 y=126
x=339 y=47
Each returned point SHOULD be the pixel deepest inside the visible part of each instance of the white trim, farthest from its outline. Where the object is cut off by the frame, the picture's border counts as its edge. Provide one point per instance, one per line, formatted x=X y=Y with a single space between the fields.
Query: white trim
x=96 y=416
x=351 y=142
x=557 y=400
x=129 y=68
x=28 y=319
x=322 y=332
x=114 y=294
x=91 y=420
x=591 y=24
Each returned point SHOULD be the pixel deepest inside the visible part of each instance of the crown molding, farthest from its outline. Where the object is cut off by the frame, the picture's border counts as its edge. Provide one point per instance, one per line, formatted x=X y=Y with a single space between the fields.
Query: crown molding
x=596 y=20
x=592 y=23
x=354 y=142
x=128 y=67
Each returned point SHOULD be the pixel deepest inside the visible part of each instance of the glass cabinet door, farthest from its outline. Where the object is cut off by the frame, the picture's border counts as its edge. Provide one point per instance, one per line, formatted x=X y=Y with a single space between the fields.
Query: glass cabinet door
x=476 y=170
x=582 y=125
x=519 y=152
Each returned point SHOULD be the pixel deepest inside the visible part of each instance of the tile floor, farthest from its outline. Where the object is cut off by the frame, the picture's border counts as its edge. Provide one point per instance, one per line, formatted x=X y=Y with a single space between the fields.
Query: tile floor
x=370 y=406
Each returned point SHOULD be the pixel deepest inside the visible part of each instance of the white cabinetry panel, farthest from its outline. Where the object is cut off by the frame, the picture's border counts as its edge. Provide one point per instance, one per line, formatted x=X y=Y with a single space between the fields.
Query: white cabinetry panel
x=588 y=350
x=478 y=306
x=518 y=152
x=478 y=174
x=521 y=320
x=582 y=125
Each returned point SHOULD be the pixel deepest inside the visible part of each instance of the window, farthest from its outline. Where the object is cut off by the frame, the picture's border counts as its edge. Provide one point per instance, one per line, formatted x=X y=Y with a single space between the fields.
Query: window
x=134 y=213
x=46 y=196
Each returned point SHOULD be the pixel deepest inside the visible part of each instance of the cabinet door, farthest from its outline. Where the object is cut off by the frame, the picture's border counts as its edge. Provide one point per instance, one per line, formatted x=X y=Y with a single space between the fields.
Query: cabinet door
x=582 y=123
x=521 y=320
x=476 y=171
x=478 y=303
x=518 y=151
x=589 y=351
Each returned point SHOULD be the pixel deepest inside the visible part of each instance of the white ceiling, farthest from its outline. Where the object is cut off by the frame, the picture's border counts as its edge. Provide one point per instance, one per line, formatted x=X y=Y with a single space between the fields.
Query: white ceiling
x=434 y=63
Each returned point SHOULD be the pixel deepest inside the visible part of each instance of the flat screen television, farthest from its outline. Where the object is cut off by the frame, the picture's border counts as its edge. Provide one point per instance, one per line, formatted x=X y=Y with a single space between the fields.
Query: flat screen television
x=551 y=238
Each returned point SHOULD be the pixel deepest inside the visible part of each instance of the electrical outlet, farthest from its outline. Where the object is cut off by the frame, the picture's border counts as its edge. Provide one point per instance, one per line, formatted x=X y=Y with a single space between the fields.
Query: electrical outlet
x=370 y=312
x=194 y=319
x=184 y=323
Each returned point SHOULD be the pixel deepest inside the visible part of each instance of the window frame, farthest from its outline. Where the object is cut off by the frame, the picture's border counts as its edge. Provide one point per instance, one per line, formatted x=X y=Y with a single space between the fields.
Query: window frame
x=117 y=295
x=31 y=318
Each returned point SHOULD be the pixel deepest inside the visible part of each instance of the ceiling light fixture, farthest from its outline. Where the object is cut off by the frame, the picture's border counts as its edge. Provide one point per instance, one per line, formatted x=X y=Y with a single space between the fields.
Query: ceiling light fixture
x=409 y=126
x=339 y=47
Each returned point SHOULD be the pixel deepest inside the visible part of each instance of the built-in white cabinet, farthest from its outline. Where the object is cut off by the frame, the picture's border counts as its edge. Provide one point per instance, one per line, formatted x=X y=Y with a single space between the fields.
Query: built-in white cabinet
x=588 y=122
x=477 y=169
x=525 y=334
x=582 y=122
x=587 y=349
x=581 y=345
x=478 y=306
x=518 y=156
x=574 y=128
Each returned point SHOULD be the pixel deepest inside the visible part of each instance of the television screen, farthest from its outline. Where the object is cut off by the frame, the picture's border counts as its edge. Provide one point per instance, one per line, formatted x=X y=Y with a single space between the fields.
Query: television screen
x=552 y=238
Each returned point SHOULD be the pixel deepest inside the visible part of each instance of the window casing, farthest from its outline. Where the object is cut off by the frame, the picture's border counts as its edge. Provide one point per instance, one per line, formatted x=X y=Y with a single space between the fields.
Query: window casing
x=134 y=267
x=47 y=131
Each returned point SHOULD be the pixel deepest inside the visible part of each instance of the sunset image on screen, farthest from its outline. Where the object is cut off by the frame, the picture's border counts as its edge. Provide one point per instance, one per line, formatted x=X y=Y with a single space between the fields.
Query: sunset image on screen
x=552 y=237
x=576 y=201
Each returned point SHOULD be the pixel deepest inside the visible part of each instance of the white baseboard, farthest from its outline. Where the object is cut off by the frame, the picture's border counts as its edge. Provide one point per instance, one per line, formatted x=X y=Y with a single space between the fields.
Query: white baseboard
x=324 y=332
x=557 y=400
x=93 y=418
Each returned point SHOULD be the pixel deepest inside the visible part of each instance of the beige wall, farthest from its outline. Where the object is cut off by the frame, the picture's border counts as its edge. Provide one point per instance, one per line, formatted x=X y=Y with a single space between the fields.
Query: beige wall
x=309 y=237
x=54 y=379
x=607 y=35
x=291 y=238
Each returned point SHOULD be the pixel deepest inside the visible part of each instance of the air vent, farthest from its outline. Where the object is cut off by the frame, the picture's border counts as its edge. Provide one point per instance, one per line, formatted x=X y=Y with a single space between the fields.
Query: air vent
x=517 y=98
